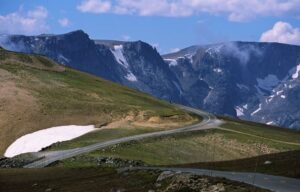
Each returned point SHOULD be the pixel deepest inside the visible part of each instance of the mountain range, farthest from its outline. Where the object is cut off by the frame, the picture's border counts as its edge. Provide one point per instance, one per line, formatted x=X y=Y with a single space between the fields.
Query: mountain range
x=248 y=80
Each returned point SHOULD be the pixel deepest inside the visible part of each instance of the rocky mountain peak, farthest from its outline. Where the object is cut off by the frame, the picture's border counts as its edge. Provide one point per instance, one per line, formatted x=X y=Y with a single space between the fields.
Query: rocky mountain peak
x=249 y=80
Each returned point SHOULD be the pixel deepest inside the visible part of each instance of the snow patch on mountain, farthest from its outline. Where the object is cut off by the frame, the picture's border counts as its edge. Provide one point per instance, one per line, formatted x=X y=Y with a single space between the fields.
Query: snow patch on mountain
x=283 y=96
x=119 y=56
x=270 y=98
x=218 y=70
x=63 y=59
x=131 y=77
x=35 y=141
x=118 y=53
x=256 y=111
x=296 y=74
x=268 y=82
x=291 y=86
x=190 y=57
x=239 y=111
x=172 y=62
x=279 y=92
x=214 y=50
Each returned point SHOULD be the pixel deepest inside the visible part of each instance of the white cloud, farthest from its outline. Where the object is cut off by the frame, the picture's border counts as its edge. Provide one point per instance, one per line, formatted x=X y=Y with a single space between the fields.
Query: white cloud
x=64 y=22
x=94 y=6
x=40 y=12
x=174 y=50
x=126 y=37
x=155 y=45
x=235 y=10
x=20 y=22
x=152 y=7
x=282 y=32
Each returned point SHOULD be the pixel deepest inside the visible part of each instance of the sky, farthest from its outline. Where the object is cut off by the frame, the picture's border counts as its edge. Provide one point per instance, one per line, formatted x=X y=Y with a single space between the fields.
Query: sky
x=169 y=25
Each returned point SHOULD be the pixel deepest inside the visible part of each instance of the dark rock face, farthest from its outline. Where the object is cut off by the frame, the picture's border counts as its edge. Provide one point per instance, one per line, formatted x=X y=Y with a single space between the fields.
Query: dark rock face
x=135 y=64
x=252 y=81
x=282 y=106
x=152 y=73
x=73 y=49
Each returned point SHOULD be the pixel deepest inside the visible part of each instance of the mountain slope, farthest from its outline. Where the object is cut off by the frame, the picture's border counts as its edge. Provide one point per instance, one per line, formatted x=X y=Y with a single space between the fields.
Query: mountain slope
x=253 y=81
x=248 y=80
x=134 y=64
x=38 y=94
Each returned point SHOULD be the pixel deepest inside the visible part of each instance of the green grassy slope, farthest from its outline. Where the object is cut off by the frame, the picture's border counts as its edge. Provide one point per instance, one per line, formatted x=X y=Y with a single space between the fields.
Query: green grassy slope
x=105 y=179
x=233 y=140
x=261 y=130
x=37 y=93
x=283 y=164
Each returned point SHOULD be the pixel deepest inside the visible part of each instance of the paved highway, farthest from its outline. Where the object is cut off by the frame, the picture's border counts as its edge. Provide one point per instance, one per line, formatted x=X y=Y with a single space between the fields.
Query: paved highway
x=209 y=121
x=273 y=183
x=270 y=182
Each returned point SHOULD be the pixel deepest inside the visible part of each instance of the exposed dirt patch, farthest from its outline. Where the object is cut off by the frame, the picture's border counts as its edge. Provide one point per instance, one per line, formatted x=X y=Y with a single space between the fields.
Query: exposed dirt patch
x=143 y=119
x=16 y=108
x=165 y=122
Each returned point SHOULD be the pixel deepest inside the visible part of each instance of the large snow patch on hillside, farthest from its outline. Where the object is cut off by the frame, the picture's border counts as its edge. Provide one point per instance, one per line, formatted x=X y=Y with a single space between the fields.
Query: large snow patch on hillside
x=35 y=141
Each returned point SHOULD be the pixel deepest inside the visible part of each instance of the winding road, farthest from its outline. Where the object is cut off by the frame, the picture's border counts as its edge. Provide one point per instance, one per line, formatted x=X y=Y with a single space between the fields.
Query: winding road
x=273 y=183
x=209 y=121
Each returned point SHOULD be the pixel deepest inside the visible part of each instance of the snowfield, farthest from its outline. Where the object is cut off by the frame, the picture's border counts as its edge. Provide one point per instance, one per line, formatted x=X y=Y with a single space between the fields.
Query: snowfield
x=120 y=58
x=218 y=70
x=131 y=77
x=172 y=62
x=296 y=74
x=35 y=141
x=239 y=111
x=256 y=111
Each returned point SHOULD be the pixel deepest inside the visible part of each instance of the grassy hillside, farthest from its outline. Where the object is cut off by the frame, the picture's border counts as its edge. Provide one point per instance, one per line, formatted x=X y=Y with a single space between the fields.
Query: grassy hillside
x=106 y=179
x=37 y=93
x=233 y=140
x=283 y=164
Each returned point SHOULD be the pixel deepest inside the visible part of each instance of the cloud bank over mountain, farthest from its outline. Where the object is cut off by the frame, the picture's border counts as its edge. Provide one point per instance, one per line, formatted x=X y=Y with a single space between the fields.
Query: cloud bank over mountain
x=235 y=10
x=282 y=32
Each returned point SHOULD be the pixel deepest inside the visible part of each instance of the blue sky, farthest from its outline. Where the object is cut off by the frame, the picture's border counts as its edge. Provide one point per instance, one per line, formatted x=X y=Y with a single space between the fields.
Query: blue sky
x=167 y=24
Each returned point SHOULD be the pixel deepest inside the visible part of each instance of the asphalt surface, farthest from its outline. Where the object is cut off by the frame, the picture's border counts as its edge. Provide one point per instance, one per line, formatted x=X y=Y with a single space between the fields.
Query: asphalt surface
x=273 y=183
x=270 y=182
x=209 y=121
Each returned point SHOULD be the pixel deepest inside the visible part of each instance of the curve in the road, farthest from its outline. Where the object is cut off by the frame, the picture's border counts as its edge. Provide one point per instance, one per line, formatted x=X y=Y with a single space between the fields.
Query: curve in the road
x=273 y=183
x=209 y=121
